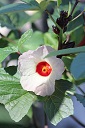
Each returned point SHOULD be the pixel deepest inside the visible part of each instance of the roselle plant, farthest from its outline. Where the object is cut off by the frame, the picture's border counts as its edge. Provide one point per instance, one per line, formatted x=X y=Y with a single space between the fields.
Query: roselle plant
x=50 y=64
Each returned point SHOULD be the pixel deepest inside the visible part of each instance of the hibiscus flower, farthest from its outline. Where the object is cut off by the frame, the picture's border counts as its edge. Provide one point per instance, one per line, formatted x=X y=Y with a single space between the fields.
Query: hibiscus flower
x=38 y=74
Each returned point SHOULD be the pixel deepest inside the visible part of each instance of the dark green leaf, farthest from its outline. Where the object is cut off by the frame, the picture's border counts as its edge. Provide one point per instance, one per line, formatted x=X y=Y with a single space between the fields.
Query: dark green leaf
x=16 y=100
x=80 y=98
x=67 y=61
x=59 y=106
x=11 y=70
x=4 y=52
x=14 y=20
x=78 y=66
x=3 y=43
x=67 y=51
x=16 y=7
x=11 y=125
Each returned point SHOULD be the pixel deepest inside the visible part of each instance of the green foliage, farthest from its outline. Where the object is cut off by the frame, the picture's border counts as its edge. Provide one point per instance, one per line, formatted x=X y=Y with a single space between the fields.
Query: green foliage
x=43 y=5
x=17 y=19
x=14 y=21
x=4 y=52
x=51 y=39
x=19 y=102
x=67 y=51
x=59 y=105
x=75 y=28
x=67 y=61
x=11 y=8
x=11 y=70
x=16 y=100
x=30 y=40
x=78 y=66
x=59 y=2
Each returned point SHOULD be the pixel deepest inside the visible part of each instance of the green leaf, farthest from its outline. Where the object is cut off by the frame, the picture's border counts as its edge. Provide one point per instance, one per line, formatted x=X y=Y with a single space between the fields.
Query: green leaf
x=24 y=39
x=78 y=66
x=80 y=98
x=32 y=1
x=16 y=7
x=3 y=43
x=11 y=70
x=67 y=61
x=58 y=105
x=16 y=100
x=67 y=51
x=27 y=1
x=44 y=4
x=59 y=2
x=75 y=27
x=69 y=9
x=79 y=81
x=51 y=39
x=14 y=20
x=4 y=52
x=30 y=40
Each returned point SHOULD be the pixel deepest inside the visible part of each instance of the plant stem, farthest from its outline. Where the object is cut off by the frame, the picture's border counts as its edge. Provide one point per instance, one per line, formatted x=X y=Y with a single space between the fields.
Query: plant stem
x=74 y=7
x=78 y=16
x=9 y=40
x=60 y=40
x=78 y=121
x=53 y=20
x=61 y=32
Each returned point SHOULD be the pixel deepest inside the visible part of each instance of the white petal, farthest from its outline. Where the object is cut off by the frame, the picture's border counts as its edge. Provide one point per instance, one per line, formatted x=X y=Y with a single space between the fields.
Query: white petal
x=27 y=66
x=26 y=55
x=47 y=50
x=42 y=51
x=45 y=89
x=30 y=83
x=38 y=53
x=57 y=67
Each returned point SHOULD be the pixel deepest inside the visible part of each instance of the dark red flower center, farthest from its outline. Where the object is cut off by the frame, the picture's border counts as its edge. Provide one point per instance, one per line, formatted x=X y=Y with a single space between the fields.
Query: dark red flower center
x=43 y=68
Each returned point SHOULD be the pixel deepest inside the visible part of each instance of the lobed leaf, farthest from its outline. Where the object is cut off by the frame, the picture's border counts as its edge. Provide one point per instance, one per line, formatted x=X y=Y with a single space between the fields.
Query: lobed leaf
x=58 y=105
x=16 y=100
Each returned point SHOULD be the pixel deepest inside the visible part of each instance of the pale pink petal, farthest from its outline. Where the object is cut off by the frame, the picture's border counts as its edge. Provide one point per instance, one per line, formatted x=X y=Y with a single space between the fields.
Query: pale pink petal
x=30 y=83
x=57 y=67
x=45 y=89
x=26 y=55
x=27 y=66
x=47 y=50
x=42 y=51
